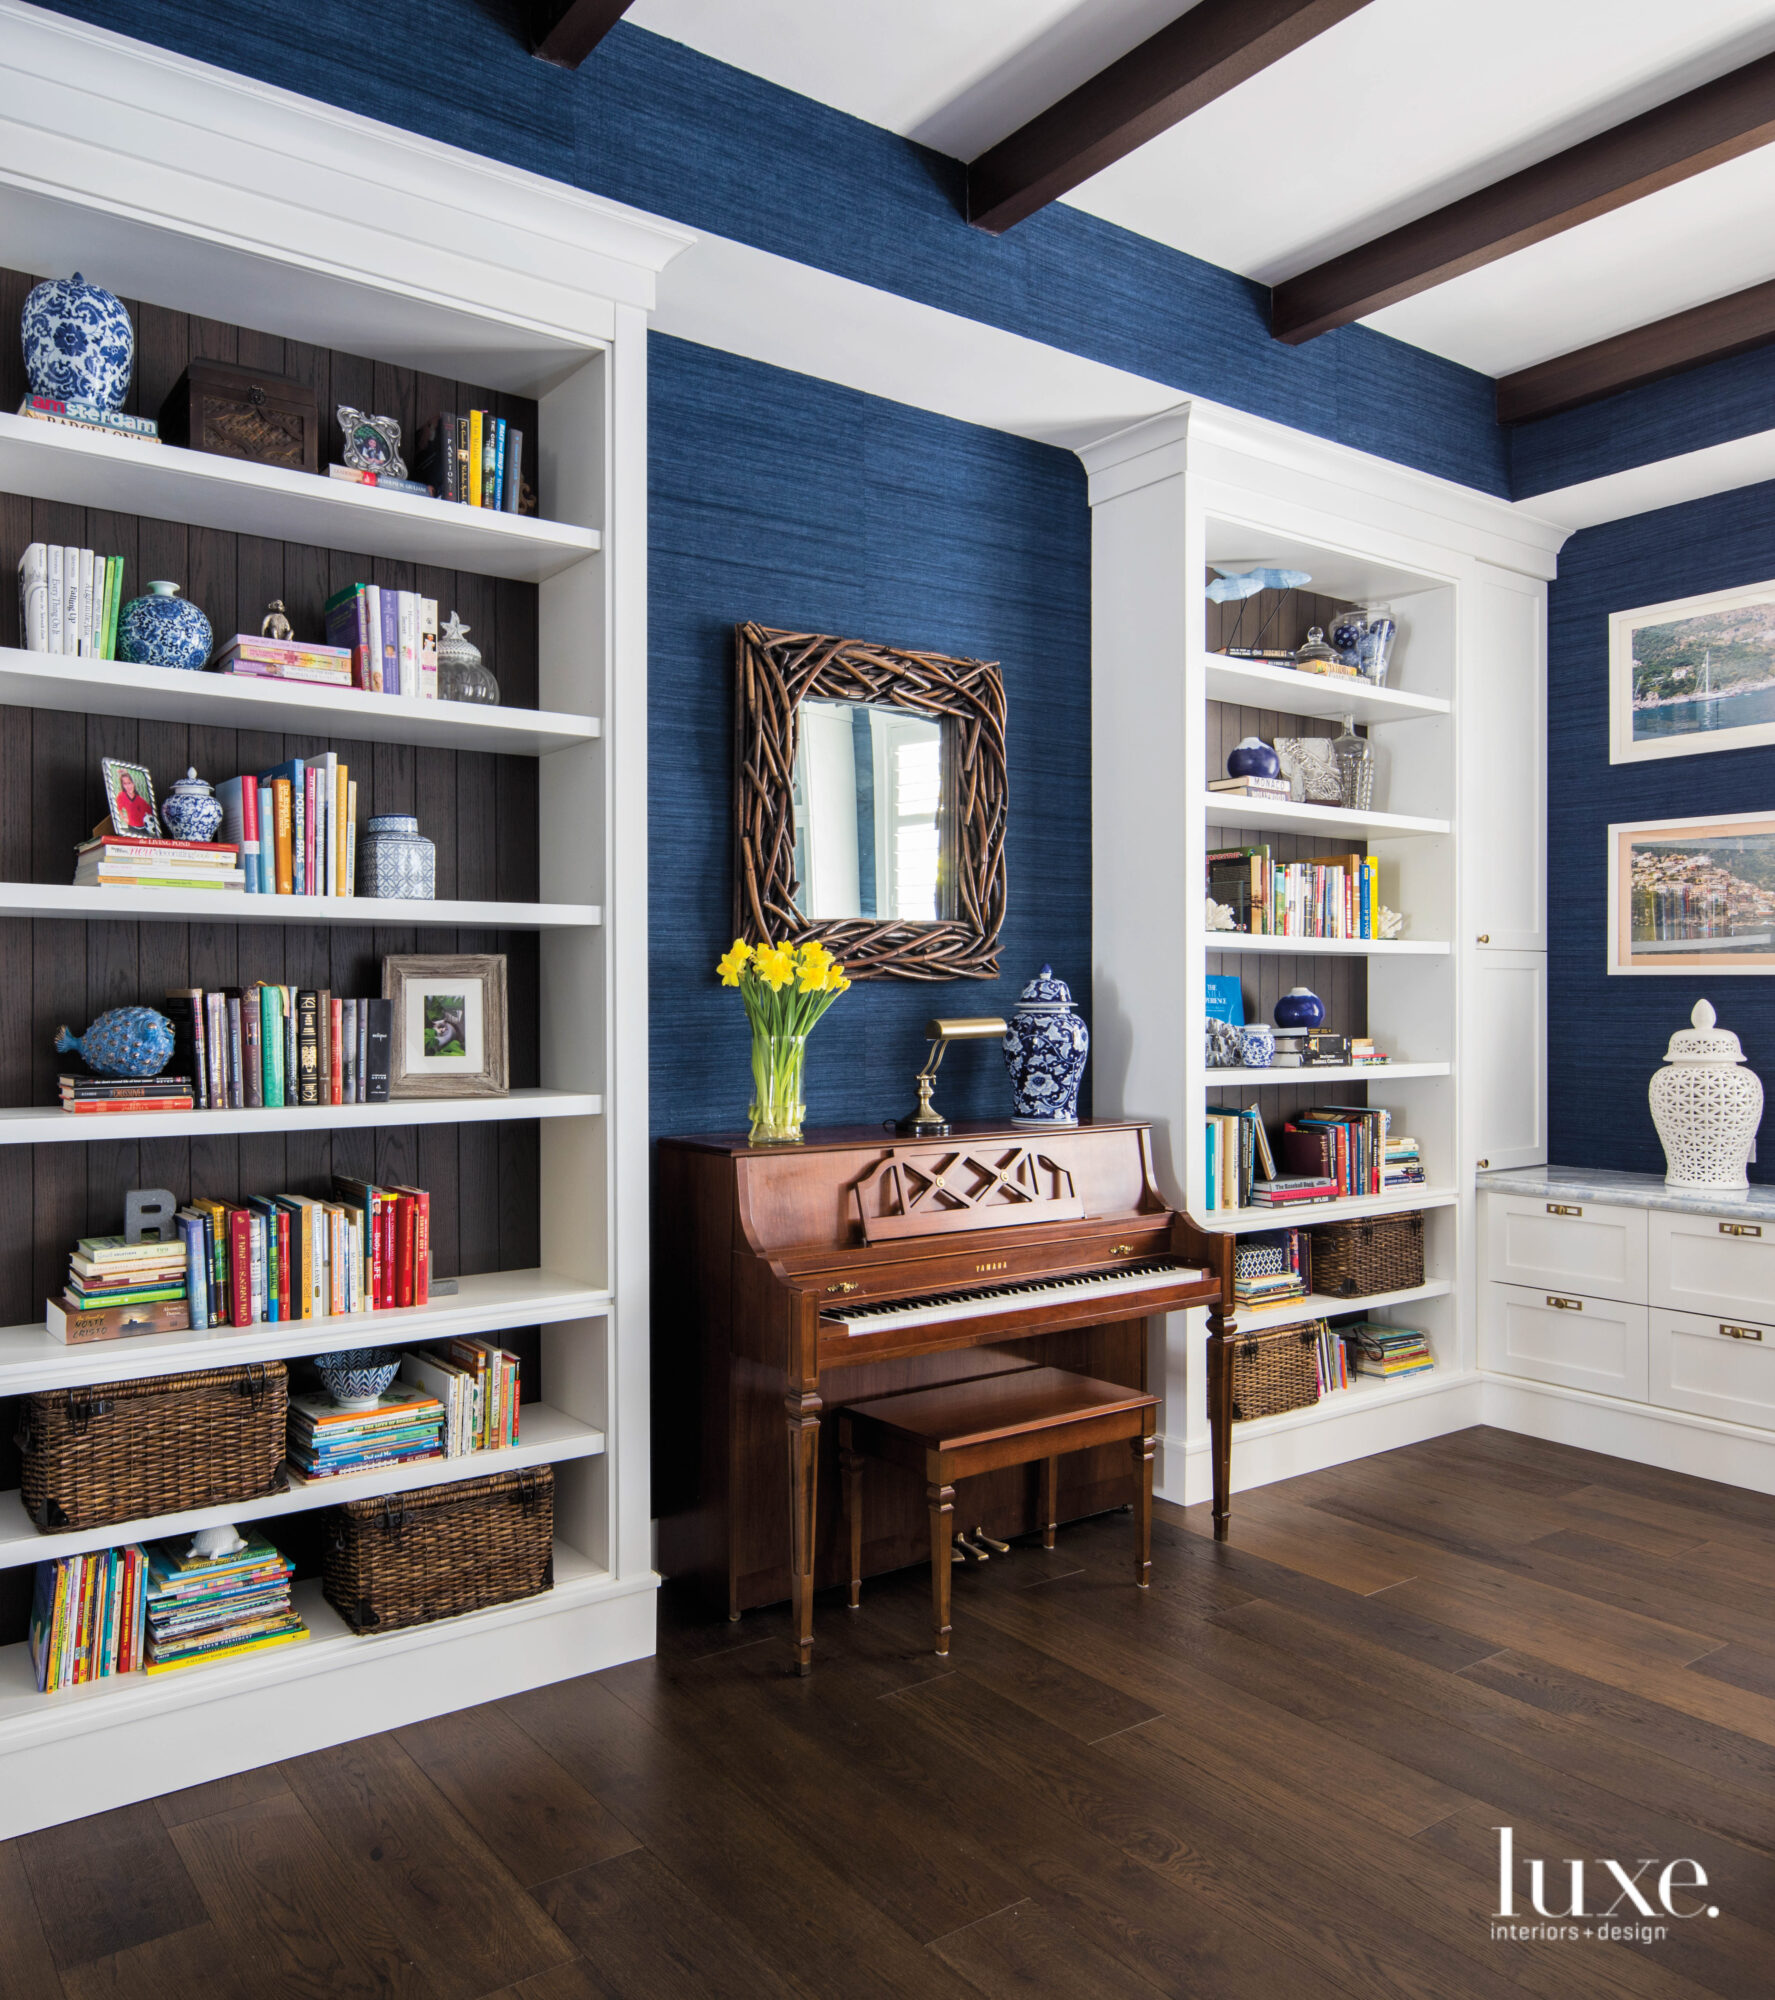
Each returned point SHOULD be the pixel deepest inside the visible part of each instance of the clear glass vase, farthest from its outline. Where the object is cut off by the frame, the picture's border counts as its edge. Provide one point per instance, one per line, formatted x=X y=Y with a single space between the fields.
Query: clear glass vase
x=1354 y=758
x=777 y=1107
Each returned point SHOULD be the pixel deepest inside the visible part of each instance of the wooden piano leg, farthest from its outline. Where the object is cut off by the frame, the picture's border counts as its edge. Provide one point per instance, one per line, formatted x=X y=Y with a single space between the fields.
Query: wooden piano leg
x=1142 y=1448
x=942 y=1505
x=1050 y=1500
x=1221 y=1332
x=852 y=1464
x=804 y=1465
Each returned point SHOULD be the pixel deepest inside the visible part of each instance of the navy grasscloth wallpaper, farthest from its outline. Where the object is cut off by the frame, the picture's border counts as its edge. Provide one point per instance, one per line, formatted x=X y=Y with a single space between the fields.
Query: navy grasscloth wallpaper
x=804 y=505
x=1606 y=1036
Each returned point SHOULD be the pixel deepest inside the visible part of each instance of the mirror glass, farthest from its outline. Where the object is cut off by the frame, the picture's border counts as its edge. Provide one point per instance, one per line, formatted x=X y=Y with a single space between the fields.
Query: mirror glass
x=869 y=818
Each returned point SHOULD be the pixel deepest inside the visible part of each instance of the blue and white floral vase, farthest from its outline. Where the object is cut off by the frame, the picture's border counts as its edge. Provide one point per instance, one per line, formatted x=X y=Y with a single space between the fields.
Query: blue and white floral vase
x=79 y=344
x=191 y=810
x=164 y=629
x=1045 y=1050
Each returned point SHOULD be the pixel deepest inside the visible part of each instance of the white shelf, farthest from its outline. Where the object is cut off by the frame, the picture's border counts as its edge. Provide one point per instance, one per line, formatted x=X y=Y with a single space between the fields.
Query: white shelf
x=1320 y=1305
x=30 y=1125
x=1258 y=684
x=200 y=490
x=1230 y=1079
x=226 y=906
x=546 y=1435
x=1305 y=1214
x=1310 y=947
x=1326 y=822
x=28 y=1718
x=239 y=701
x=31 y=1358
x=1363 y=1393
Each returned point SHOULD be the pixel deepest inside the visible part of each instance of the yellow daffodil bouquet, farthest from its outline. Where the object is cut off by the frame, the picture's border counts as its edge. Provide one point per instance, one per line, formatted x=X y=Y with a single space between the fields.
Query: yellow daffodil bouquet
x=785 y=989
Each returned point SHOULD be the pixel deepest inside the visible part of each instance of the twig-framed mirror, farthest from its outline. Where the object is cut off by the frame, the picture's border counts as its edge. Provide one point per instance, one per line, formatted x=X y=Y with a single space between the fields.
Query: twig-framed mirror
x=871 y=796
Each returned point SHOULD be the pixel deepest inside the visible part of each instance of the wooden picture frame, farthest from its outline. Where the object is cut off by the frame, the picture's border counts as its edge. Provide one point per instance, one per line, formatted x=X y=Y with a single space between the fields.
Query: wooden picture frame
x=433 y=995
x=1693 y=675
x=1699 y=886
x=777 y=671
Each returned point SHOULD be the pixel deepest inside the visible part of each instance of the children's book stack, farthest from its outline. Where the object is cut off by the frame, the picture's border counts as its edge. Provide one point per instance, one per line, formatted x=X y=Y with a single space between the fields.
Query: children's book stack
x=295 y=826
x=89 y=1617
x=203 y=1608
x=68 y=601
x=325 y=1441
x=477 y=1384
x=116 y=1288
x=275 y=1046
x=283 y=660
x=389 y=636
x=1389 y=1350
x=136 y=861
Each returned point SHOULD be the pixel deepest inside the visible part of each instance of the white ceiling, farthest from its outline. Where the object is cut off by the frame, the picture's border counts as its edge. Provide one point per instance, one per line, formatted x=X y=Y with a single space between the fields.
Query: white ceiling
x=1404 y=106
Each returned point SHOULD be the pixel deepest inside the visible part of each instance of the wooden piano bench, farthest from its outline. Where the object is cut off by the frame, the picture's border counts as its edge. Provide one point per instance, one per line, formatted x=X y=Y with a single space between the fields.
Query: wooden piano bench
x=964 y=1428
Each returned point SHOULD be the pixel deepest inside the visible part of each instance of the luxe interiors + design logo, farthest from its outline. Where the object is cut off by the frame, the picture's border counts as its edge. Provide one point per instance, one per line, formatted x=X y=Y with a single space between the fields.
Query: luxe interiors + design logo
x=1640 y=1912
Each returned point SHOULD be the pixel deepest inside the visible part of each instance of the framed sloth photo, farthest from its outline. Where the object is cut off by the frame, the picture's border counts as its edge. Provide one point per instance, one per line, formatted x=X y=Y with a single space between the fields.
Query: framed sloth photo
x=448 y=1035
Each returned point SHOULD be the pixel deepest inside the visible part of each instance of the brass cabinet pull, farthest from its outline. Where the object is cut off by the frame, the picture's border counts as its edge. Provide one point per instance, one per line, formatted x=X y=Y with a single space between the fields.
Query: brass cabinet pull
x=1563 y=1208
x=1565 y=1305
x=844 y=1288
x=1121 y=1249
x=1741 y=1332
x=1481 y=1165
x=1741 y=1229
x=1484 y=937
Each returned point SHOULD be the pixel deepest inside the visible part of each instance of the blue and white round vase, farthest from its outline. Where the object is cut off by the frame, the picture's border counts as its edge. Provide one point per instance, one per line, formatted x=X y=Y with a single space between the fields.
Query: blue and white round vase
x=357 y=1376
x=164 y=629
x=396 y=860
x=1300 y=1007
x=1045 y=1050
x=1252 y=757
x=79 y=344
x=1257 y=1047
x=191 y=810
x=128 y=1041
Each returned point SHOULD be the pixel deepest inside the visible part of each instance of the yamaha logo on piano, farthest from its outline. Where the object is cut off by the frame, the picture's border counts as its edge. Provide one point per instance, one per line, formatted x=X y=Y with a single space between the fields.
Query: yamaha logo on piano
x=1003 y=1264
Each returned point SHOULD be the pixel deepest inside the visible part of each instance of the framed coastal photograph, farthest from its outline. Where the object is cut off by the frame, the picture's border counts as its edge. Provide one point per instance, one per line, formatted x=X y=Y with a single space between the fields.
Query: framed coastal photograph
x=129 y=793
x=1694 y=675
x=1693 y=895
x=449 y=1028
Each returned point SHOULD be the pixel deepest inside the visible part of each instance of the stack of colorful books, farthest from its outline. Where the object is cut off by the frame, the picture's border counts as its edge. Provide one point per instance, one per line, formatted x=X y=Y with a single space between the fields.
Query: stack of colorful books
x=203 y=1608
x=325 y=1440
x=134 y=861
x=1268 y=1269
x=127 y=1093
x=283 y=660
x=68 y=601
x=1389 y=1350
x=117 y=1288
x=83 y=416
x=390 y=638
x=477 y=1384
x=89 y=1617
x=1404 y=1166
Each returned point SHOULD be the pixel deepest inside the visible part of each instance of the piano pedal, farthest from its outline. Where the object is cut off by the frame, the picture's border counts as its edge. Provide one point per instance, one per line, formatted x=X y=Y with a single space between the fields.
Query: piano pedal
x=997 y=1548
x=955 y=1554
x=979 y=1554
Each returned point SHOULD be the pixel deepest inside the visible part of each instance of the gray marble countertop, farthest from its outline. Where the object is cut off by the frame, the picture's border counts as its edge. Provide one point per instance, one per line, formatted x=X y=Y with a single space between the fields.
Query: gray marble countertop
x=1607 y=1186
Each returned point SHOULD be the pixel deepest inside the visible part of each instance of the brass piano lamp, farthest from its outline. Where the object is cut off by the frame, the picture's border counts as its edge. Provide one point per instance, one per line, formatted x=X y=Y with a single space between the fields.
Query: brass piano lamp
x=926 y=1122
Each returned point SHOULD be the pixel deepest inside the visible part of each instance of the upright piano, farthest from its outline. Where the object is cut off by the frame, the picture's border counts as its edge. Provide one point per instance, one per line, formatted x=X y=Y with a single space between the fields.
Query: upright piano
x=788 y=1280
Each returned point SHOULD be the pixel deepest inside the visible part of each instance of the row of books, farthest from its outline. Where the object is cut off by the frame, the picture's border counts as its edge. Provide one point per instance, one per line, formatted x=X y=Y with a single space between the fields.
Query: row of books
x=147 y=861
x=1332 y=1355
x=89 y=1617
x=274 y=1046
x=207 y=1608
x=1389 y=1351
x=477 y=1383
x=477 y=459
x=68 y=601
x=1353 y=1147
x=295 y=827
x=1238 y=1154
x=1333 y=896
x=389 y=639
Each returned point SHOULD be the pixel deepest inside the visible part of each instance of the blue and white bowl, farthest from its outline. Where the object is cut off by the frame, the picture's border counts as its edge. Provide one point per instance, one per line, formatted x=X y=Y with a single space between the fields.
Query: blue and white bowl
x=79 y=344
x=356 y=1376
x=164 y=629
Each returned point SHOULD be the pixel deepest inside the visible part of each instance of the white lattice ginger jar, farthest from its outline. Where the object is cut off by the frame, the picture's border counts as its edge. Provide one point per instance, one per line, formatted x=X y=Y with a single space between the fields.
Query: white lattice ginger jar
x=1706 y=1105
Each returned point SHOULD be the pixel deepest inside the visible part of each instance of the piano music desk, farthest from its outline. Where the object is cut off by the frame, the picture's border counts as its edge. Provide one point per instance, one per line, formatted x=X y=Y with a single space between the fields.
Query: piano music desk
x=791 y=1279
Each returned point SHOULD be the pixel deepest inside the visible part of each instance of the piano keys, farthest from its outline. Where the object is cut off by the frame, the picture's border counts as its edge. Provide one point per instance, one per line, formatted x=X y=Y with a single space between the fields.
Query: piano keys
x=788 y=1280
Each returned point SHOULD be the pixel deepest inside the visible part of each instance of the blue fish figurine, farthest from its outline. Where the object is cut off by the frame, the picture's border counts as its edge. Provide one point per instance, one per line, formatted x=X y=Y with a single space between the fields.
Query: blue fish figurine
x=128 y=1041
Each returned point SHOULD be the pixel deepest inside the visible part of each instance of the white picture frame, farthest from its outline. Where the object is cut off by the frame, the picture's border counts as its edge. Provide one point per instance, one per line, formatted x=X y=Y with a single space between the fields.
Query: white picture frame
x=1673 y=954
x=1713 y=729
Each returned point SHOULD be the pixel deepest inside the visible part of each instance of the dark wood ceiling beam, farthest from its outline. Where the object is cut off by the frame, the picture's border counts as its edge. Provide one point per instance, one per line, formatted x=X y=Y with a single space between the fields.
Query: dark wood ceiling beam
x=1734 y=114
x=1199 y=57
x=1713 y=332
x=565 y=36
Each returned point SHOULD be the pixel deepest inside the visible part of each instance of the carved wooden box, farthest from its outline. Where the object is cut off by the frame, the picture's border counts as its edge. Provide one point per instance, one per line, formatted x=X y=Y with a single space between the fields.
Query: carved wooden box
x=244 y=413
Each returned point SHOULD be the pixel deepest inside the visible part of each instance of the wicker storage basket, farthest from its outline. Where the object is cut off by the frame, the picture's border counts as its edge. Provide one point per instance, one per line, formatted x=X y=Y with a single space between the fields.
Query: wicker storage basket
x=1275 y=1370
x=1354 y=1260
x=121 y=1451
x=411 y=1558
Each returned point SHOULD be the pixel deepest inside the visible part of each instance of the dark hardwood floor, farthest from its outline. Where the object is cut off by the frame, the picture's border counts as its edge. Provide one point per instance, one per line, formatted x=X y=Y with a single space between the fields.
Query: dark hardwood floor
x=1279 y=1775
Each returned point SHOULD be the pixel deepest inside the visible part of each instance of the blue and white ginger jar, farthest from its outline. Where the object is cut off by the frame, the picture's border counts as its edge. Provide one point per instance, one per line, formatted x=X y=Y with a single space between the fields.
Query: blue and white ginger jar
x=191 y=810
x=164 y=629
x=128 y=1041
x=1045 y=1050
x=79 y=344
x=396 y=860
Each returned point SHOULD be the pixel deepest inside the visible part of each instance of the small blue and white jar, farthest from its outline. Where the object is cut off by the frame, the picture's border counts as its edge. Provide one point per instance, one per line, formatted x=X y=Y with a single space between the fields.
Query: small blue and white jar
x=396 y=860
x=79 y=344
x=1257 y=1046
x=164 y=629
x=191 y=810
x=1045 y=1050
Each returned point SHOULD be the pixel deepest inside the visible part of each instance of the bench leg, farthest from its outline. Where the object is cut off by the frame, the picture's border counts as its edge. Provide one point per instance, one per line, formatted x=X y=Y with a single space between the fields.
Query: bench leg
x=852 y=1464
x=942 y=1504
x=1142 y=1448
x=1050 y=1500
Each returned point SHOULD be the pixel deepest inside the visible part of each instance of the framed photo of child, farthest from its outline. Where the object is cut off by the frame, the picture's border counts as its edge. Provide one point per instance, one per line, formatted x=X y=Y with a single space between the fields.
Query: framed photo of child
x=448 y=1034
x=129 y=793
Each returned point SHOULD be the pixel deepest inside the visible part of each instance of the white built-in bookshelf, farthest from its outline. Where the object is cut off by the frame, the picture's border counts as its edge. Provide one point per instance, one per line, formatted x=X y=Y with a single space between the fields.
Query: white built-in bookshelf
x=413 y=253
x=1204 y=487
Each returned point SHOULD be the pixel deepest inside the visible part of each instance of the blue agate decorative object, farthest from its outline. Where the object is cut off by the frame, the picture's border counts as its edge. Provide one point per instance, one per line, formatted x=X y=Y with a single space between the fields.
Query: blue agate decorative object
x=164 y=629
x=128 y=1041
x=356 y=1376
x=79 y=344
x=1252 y=757
x=1045 y=1049
x=1300 y=1007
